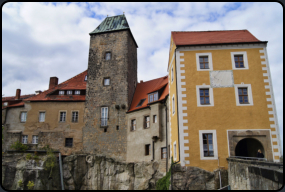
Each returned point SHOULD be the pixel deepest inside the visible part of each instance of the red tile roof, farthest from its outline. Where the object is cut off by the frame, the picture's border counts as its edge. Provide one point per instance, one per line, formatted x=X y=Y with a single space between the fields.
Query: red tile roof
x=144 y=88
x=75 y=83
x=212 y=37
x=12 y=98
x=21 y=104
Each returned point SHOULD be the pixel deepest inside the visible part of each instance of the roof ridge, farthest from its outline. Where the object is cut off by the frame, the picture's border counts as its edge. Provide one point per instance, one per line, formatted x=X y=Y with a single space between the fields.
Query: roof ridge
x=155 y=79
x=210 y=31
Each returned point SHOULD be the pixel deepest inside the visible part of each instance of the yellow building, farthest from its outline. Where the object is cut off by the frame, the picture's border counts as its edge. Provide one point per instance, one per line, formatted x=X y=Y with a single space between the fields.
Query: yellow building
x=221 y=101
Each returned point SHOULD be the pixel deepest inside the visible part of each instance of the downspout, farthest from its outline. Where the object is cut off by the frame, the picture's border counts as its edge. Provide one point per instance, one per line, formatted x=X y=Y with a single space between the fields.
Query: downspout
x=177 y=122
x=166 y=136
x=60 y=171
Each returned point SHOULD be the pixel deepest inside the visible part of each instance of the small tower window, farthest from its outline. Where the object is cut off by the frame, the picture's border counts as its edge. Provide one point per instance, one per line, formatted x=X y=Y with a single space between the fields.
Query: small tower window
x=106 y=81
x=108 y=56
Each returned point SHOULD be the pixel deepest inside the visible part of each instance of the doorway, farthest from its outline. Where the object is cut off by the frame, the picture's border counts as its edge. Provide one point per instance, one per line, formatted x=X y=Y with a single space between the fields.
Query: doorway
x=248 y=147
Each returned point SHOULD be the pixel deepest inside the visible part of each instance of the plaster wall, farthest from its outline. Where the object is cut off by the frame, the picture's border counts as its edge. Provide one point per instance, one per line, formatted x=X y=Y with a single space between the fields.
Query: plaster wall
x=224 y=114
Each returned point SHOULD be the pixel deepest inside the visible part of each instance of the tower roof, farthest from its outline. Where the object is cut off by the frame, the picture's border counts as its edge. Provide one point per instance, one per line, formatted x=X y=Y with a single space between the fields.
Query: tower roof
x=114 y=23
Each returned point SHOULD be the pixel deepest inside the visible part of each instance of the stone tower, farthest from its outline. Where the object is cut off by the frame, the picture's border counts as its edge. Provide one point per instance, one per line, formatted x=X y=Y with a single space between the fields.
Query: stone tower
x=111 y=82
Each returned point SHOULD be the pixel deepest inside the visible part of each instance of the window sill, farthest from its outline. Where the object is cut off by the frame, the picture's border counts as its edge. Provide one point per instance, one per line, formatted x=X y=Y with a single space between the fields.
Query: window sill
x=103 y=126
x=146 y=127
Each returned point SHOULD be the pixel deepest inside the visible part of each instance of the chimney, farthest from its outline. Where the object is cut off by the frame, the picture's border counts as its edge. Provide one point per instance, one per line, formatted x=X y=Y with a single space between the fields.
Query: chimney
x=141 y=81
x=53 y=81
x=18 y=93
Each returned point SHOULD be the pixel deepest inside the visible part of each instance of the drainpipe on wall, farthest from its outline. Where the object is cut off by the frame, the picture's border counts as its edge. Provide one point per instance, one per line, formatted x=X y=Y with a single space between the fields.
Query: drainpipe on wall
x=60 y=171
x=167 y=155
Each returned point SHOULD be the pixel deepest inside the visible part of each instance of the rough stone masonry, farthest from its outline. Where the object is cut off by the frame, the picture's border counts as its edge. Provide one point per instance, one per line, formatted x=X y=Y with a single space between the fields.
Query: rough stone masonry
x=121 y=69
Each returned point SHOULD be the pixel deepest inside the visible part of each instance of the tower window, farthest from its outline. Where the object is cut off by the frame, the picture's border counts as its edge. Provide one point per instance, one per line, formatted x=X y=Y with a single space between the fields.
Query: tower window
x=68 y=142
x=108 y=56
x=106 y=81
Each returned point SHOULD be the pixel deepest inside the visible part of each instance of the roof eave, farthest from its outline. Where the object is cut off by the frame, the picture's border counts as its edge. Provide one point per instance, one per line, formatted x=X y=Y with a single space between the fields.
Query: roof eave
x=221 y=44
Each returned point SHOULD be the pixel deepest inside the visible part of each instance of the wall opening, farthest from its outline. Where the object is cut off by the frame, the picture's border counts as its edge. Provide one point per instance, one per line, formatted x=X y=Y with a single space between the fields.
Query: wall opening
x=248 y=148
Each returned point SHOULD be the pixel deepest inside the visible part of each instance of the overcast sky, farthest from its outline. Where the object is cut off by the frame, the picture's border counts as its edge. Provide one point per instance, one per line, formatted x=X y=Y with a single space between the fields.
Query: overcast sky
x=40 y=40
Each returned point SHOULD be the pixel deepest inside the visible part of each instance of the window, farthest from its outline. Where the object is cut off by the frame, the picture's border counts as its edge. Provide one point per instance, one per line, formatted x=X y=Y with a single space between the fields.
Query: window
x=35 y=139
x=25 y=139
x=243 y=94
x=163 y=153
x=205 y=96
x=174 y=149
x=239 y=60
x=140 y=103
x=172 y=74
x=61 y=93
x=146 y=122
x=152 y=97
x=5 y=103
x=42 y=116
x=204 y=61
x=104 y=116
x=23 y=116
x=154 y=119
x=62 y=116
x=68 y=142
x=117 y=127
x=133 y=126
x=173 y=105
x=77 y=92
x=147 y=149
x=108 y=56
x=208 y=144
x=74 y=117
x=85 y=79
x=106 y=81
x=69 y=92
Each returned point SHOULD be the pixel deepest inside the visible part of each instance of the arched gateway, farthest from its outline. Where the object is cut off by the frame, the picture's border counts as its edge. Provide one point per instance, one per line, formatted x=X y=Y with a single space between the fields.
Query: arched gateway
x=248 y=148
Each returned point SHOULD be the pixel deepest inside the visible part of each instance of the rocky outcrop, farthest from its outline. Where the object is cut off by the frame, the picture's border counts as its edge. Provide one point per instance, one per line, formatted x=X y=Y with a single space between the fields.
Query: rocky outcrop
x=194 y=178
x=90 y=172
x=80 y=172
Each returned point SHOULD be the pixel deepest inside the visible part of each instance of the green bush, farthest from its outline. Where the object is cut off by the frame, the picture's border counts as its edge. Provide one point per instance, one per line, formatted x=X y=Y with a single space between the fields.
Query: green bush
x=30 y=185
x=36 y=158
x=20 y=183
x=28 y=156
x=164 y=182
x=19 y=146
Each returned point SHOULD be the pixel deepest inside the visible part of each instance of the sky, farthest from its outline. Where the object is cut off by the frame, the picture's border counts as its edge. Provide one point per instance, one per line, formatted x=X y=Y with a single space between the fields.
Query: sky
x=41 y=40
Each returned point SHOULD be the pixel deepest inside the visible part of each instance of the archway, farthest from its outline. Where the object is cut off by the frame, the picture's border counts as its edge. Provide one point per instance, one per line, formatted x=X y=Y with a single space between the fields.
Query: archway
x=248 y=147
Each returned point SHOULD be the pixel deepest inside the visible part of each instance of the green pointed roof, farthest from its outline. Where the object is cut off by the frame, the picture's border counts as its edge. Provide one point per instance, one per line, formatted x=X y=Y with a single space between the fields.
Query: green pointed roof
x=115 y=23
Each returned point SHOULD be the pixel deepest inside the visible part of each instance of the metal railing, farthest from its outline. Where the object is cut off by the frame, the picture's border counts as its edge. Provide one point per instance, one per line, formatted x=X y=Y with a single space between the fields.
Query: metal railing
x=249 y=158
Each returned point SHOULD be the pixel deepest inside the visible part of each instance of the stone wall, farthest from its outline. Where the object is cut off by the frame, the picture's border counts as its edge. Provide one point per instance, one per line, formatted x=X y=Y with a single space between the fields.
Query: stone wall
x=254 y=175
x=122 y=71
x=194 y=178
x=9 y=138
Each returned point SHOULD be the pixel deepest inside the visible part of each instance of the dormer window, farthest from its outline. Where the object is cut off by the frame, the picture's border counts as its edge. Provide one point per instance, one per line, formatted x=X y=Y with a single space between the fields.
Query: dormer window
x=61 y=93
x=108 y=56
x=5 y=103
x=152 y=97
x=85 y=79
x=140 y=103
x=69 y=92
x=77 y=92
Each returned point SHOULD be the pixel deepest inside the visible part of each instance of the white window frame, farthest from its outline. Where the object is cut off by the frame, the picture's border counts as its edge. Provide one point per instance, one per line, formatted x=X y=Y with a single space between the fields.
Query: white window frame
x=133 y=124
x=215 y=146
x=69 y=92
x=73 y=116
x=35 y=139
x=211 y=95
x=155 y=118
x=24 y=139
x=61 y=92
x=174 y=151
x=104 y=115
x=64 y=116
x=249 y=93
x=77 y=92
x=44 y=116
x=23 y=120
x=245 y=61
x=209 y=59
x=172 y=78
x=173 y=105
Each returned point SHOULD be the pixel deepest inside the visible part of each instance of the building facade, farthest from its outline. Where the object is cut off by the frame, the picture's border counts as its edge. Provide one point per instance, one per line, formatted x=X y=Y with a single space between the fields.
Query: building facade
x=221 y=98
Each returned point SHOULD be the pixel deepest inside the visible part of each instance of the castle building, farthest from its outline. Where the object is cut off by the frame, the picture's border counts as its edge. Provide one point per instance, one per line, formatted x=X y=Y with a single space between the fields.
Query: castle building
x=220 y=98
x=216 y=102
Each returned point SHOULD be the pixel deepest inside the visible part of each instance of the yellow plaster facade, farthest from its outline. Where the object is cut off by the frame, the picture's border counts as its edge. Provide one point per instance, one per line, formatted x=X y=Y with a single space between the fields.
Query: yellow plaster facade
x=224 y=115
